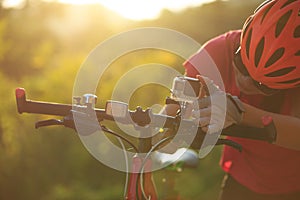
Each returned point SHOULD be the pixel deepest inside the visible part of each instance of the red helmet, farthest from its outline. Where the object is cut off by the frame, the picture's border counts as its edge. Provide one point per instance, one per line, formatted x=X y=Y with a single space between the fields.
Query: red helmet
x=270 y=44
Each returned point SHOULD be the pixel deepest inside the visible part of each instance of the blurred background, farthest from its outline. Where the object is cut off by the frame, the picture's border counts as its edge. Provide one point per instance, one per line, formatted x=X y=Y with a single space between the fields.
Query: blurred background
x=42 y=46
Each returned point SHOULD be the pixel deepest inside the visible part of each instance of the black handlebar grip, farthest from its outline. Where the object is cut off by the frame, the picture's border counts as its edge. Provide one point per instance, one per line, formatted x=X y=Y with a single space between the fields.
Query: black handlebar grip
x=37 y=107
x=267 y=133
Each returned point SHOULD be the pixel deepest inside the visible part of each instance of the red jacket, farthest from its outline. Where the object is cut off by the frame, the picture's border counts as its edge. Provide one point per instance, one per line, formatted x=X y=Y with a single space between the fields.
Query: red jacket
x=261 y=167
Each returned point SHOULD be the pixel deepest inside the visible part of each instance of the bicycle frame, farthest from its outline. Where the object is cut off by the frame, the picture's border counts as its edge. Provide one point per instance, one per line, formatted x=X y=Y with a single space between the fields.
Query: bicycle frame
x=134 y=190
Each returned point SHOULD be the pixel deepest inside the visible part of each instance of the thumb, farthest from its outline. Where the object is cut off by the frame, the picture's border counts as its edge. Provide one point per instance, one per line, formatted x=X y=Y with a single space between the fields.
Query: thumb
x=208 y=85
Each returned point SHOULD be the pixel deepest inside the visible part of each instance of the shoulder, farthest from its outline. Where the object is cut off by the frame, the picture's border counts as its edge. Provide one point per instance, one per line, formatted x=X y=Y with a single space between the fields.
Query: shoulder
x=233 y=35
x=220 y=46
x=214 y=58
x=229 y=41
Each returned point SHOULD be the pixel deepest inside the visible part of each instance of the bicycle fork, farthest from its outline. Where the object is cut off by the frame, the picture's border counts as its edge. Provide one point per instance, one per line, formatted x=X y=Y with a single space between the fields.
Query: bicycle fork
x=136 y=190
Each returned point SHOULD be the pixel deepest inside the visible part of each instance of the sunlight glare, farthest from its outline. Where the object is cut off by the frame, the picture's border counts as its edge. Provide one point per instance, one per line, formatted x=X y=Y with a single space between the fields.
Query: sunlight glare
x=13 y=3
x=130 y=9
x=134 y=9
x=141 y=9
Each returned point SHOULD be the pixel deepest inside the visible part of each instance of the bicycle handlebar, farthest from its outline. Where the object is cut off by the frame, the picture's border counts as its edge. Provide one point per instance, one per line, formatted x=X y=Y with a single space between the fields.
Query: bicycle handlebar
x=141 y=118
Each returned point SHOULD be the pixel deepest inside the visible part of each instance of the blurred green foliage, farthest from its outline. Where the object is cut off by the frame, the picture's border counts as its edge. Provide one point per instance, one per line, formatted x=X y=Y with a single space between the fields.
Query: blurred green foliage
x=41 y=49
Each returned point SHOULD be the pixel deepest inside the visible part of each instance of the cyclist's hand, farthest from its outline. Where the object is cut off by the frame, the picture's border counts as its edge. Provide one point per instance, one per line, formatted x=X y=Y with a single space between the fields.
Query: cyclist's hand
x=217 y=110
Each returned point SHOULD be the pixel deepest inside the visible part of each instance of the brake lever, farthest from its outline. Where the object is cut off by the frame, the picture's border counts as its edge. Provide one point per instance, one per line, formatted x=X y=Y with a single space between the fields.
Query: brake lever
x=49 y=122
x=230 y=143
x=67 y=121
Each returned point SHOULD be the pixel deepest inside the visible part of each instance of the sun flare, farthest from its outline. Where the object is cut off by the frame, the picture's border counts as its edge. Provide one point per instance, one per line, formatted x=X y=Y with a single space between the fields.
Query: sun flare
x=130 y=9
x=140 y=9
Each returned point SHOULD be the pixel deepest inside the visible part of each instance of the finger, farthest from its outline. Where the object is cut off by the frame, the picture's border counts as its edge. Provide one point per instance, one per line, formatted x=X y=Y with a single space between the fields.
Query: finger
x=214 y=128
x=218 y=115
x=202 y=103
x=196 y=114
x=210 y=86
x=204 y=89
x=204 y=112
x=204 y=128
x=203 y=121
x=187 y=111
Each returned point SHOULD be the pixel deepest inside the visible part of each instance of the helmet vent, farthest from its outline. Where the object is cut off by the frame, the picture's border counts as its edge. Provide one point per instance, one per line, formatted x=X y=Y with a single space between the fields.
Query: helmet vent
x=259 y=51
x=282 y=22
x=248 y=43
x=297 y=53
x=262 y=5
x=265 y=13
x=246 y=26
x=276 y=56
x=288 y=3
x=297 y=32
x=281 y=72
x=291 y=81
